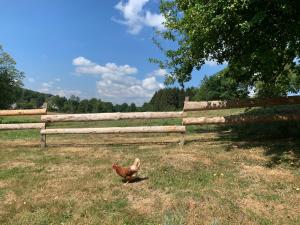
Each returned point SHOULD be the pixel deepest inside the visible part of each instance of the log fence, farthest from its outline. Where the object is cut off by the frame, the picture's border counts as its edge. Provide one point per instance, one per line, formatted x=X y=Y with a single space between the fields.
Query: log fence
x=247 y=103
x=186 y=120
x=239 y=119
x=23 y=112
x=111 y=130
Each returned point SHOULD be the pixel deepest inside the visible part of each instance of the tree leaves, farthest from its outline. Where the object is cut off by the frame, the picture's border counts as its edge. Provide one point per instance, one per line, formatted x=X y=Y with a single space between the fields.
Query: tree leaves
x=253 y=36
x=10 y=79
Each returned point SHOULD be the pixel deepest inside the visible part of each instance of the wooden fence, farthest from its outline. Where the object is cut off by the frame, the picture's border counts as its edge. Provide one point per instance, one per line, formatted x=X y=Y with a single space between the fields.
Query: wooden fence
x=239 y=119
x=256 y=102
x=110 y=117
x=23 y=112
x=186 y=120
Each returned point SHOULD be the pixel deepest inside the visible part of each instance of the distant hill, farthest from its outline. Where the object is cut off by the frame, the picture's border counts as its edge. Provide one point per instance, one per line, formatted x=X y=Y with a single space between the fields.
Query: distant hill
x=28 y=99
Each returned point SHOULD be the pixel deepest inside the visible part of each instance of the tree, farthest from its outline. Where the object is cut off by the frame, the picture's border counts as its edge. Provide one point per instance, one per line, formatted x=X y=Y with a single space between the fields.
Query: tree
x=132 y=108
x=56 y=103
x=71 y=105
x=167 y=99
x=10 y=79
x=220 y=87
x=259 y=39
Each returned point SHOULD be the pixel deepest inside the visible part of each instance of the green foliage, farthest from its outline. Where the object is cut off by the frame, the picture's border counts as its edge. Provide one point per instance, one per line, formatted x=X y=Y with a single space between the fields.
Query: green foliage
x=258 y=39
x=27 y=99
x=170 y=99
x=220 y=87
x=10 y=79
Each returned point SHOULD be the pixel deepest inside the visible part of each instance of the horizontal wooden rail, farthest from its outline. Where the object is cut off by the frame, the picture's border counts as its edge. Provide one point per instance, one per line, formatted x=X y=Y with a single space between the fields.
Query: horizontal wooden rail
x=214 y=105
x=110 y=116
x=22 y=126
x=239 y=119
x=23 y=112
x=117 y=130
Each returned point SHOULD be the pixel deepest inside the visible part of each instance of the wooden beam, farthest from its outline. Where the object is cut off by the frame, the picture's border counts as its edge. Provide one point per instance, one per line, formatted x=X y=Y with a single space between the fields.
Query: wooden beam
x=22 y=126
x=117 y=130
x=23 y=112
x=214 y=105
x=110 y=116
x=239 y=119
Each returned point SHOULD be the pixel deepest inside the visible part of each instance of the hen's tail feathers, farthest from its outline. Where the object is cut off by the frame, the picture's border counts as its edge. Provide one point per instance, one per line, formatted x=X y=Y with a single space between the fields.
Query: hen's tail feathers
x=136 y=165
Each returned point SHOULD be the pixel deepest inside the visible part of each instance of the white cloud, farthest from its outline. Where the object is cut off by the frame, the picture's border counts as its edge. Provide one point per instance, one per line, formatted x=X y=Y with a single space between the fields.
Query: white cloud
x=81 y=61
x=47 y=84
x=151 y=83
x=66 y=93
x=158 y=73
x=50 y=87
x=136 y=17
x=117 y=86
x=59 y=91
x=31 y=79
x=85 y=66
x=120 y=89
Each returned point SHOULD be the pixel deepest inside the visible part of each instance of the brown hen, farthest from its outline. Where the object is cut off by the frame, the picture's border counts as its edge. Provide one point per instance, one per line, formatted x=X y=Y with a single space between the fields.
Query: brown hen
x=127 y=172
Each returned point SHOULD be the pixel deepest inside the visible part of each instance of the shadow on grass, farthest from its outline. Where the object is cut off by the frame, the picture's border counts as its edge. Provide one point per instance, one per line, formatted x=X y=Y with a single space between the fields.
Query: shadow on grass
x=280 y=140
x=136 y=180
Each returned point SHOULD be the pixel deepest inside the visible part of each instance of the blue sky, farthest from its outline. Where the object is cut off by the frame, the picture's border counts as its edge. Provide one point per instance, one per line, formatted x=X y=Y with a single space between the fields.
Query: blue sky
x=89 y=48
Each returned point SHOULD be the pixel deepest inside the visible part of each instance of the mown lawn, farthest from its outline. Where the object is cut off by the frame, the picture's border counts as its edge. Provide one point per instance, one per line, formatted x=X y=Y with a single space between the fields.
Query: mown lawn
x=223 y=175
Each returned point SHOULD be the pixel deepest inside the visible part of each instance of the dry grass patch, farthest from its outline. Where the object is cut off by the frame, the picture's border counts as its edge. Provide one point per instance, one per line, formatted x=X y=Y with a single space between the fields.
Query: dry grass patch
x=267 y=174
x=18 y=163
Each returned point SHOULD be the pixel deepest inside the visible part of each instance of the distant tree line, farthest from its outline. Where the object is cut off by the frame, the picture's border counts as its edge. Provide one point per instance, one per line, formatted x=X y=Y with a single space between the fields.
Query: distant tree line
x=167 y=99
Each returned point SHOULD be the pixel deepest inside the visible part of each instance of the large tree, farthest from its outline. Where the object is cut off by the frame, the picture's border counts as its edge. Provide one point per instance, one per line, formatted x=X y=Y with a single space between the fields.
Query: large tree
x=220 y=87
x=260 y=40
x=10 y=79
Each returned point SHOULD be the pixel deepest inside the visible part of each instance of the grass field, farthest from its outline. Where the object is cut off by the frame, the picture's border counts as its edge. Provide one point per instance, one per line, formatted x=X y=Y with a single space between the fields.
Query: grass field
x=223 y=175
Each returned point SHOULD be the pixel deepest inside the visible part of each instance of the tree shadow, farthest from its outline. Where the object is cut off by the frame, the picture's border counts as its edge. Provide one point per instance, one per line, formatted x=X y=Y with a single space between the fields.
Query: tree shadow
x=280 y=140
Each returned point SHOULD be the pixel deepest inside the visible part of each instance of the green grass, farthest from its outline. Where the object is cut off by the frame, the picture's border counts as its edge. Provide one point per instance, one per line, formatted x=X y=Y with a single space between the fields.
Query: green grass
x=223 y=175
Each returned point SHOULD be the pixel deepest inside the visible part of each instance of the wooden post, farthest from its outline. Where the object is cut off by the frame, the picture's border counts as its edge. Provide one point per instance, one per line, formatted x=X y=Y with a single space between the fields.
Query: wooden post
x=181 y=143
x=182 y=138
x=43 y=141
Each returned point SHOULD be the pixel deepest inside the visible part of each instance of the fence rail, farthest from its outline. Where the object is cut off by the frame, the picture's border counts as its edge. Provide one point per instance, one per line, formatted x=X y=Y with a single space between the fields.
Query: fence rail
x=23 y=112
x=22 y=126
x=215 y=105
x=239 y=119
x=117 y=130
x=110 y=116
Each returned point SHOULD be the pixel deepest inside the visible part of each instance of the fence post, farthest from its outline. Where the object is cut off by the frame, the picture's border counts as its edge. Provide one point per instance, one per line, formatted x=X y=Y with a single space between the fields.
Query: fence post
x=43 y=136
x=43 y=141
x=182 y=137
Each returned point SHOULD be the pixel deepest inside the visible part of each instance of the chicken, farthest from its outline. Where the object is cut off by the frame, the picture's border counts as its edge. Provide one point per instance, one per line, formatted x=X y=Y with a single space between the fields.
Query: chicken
x=128 y=172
